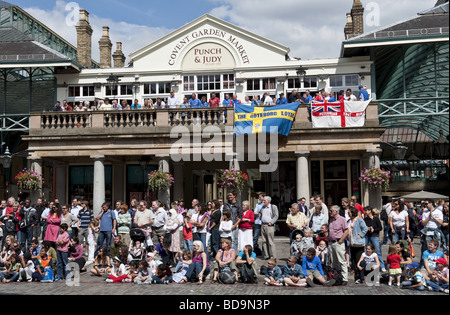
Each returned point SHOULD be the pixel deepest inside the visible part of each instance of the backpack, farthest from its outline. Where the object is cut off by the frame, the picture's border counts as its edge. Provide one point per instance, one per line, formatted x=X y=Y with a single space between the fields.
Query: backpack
x=334 y=274
x=227 y=277
x=247 y=274
x=383 y=215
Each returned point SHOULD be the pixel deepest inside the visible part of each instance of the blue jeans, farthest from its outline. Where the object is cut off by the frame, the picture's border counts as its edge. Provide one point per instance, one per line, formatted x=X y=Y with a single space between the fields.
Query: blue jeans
x=63 y=261
x=159 y=281
x=387 y=232
x=398 y=234
x=196 y=268
x=14 y=277
x=104 y=236
x=256 y=235
x=436 y=287
x=234 y=239
x=410 y=283
x=215 y=241
x=375 y=241
x=25 y=237
x=189 y=245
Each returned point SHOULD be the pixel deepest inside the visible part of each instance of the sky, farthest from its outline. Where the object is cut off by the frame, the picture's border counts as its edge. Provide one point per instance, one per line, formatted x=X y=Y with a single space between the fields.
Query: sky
x=311 y=29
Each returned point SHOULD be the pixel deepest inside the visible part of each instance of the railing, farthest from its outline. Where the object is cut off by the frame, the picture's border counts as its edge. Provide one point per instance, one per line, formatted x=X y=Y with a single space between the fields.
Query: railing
x=158 y=119
x=15 y=122
x=400 y=33
x=429 y=106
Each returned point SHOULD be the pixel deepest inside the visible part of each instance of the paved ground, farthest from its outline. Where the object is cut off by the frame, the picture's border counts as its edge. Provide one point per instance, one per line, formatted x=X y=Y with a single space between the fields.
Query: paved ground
x=90 y=285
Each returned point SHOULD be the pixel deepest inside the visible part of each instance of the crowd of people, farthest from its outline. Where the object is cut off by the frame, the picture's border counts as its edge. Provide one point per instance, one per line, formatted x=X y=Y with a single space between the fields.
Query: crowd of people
x=230 y=100
x=219 y=241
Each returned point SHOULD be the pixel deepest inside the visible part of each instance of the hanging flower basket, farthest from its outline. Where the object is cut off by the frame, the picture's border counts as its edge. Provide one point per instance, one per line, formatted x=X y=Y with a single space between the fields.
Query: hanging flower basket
x=159 y=180
x=30 y=180
x=376 y=178
x=233 y=179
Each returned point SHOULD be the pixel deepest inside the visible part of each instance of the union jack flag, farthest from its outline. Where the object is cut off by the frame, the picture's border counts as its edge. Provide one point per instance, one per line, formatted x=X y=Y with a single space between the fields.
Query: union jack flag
x=326 y=107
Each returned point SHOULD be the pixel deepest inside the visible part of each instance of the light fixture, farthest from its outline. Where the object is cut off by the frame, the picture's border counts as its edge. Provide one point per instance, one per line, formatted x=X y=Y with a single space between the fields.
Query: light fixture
x=399 y=150
x=413 y=162
x=112 y=81
x=143 y=162
x=441 y=147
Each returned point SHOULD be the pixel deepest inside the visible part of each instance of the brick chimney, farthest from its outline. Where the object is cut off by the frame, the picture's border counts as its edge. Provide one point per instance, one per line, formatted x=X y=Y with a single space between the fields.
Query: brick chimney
x=105 y=45
x=119 y=57
x=357 y=14
x=348 y=30
x=84 y=40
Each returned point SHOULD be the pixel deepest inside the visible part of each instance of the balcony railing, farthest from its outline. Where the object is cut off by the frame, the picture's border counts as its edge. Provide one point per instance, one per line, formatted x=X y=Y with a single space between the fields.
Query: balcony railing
x=155 y=120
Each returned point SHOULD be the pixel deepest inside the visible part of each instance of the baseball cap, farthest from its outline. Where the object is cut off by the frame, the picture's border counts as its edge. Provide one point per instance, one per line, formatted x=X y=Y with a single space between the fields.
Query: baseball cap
x=441 y=261
x=360 y=87
x=414 y=265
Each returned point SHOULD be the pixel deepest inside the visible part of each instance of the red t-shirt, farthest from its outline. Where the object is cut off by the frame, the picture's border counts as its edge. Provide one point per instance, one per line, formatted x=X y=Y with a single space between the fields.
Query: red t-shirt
x=187 y=232
x=359 y=207
x=394 y=261
x=214 y=102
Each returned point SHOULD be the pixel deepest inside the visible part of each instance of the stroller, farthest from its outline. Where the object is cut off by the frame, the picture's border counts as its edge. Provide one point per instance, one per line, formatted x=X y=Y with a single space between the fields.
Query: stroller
x=146 y=244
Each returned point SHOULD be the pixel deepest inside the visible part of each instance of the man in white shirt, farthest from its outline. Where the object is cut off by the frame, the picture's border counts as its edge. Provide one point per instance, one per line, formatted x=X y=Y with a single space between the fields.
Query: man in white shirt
x=158 y=223
x=349 y=96
x=432 y=219
x=268 y=100
x=257 y=225
x=173 y=101
x=319 y=202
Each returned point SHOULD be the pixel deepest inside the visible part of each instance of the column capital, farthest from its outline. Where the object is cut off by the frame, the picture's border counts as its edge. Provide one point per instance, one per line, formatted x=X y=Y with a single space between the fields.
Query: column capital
x=98 y=157
x=302 y=153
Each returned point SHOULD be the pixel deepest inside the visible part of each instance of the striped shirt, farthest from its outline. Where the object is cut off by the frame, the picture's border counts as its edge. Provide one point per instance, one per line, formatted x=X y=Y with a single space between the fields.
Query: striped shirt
x=85 y=218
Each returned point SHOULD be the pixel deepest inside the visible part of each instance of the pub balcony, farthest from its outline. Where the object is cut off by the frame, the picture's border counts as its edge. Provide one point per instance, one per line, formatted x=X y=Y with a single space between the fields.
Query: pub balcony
x=158 y=121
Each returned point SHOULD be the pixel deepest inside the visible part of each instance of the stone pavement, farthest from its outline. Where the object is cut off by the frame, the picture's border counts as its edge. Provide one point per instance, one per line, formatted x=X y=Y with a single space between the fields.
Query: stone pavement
x=89 y=285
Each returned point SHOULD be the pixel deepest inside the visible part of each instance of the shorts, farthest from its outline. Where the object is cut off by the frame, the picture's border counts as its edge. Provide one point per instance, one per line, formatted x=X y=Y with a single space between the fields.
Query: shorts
x=314 y=273
x=395 y=272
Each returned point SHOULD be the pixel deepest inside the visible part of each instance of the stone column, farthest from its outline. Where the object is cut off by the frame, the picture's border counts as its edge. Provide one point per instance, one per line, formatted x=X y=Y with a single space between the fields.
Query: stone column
x=303 y=182
x=178 y=187
x=37 y=166
x=99 y=183
x=372 y=197
x=59 y=172
x=164 y=195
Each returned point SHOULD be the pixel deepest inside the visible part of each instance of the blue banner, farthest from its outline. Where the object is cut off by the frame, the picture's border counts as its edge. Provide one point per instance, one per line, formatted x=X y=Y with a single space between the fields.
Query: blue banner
x=274 y=119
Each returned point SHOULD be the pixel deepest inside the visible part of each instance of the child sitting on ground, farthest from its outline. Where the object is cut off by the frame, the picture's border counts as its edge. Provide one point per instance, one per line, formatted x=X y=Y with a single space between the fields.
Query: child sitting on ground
x=415 y=280
x=312 y=269
x=144 y=273
x=43 y=264
x=274 y=276
x=293 y=274
x=185 y=263
x=118 y=272
x=163 y=275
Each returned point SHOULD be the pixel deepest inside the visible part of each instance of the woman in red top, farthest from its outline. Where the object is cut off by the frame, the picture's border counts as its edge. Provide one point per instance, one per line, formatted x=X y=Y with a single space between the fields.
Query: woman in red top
x=245 y=235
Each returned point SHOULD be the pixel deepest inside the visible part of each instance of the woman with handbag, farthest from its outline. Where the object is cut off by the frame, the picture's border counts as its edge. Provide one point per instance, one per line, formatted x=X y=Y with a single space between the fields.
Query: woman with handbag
x=225 y=260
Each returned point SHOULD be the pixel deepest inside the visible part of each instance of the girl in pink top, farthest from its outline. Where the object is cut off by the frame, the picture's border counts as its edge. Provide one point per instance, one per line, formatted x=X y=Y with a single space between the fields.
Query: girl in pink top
x=62 y=251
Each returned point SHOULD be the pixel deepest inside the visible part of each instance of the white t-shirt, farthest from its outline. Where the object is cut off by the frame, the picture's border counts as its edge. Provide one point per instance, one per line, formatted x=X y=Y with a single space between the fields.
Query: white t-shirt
x=432 y=224
x=369 y=259
x=194 y=219
x=225 y=228
x=399 y=220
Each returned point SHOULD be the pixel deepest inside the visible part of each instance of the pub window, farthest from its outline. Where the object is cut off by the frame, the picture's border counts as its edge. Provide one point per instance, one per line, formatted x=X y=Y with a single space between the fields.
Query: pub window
x=189 y=83
x=228 y=81
x=88 y=91
x=253 y=84
x=150 y=88
x=74 y=91
x=208 y=82
x=126 y=90
x=352 y=80
x=310 y=82
x=269 y=84
x=294 y=83
x=336 y=81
